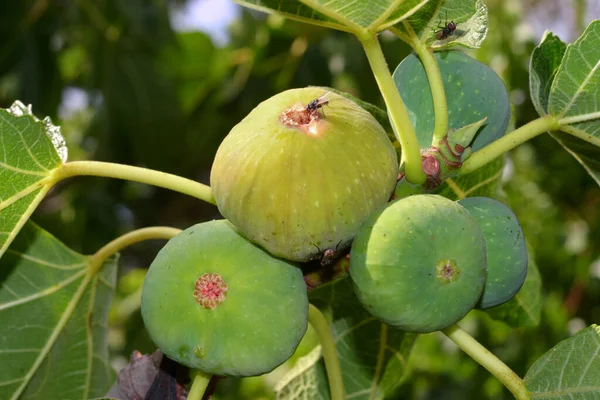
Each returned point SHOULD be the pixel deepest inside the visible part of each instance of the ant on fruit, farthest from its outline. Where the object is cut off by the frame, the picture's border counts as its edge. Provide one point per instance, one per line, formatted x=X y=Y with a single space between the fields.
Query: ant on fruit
x=445 y=30
x=313 y=107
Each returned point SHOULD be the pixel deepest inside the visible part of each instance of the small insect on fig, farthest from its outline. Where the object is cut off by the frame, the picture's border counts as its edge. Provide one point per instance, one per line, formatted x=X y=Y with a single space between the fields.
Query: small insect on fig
x=313 y=107
x=446 y=30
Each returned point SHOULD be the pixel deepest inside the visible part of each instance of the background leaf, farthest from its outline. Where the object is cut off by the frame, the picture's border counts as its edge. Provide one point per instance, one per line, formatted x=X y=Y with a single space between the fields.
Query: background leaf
x=30 y=150
x=340 y=14
x=54 y=312
x=373 y=355
x=469 y=15
x=574 y=94
x=570 y=370
x=543 y=64
x=474 y=91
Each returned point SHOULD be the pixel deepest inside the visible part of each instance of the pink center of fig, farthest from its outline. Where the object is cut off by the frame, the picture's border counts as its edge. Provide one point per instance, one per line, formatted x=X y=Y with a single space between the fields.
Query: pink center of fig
x=210 y=290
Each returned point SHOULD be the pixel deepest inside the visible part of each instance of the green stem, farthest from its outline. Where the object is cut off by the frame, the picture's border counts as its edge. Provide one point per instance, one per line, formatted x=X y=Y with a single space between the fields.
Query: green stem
x=332 y=362
x=436 y=84
x=411 y=153
x=489 y=361
x=199 y=383
x=118 y=244
x=136 y=174
x=508 y=142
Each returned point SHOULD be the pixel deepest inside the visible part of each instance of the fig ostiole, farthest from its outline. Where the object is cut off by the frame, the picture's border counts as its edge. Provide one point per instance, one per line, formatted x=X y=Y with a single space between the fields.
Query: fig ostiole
x=214 y=301
x=420 y=263
x=505 y=246
x=302 y=171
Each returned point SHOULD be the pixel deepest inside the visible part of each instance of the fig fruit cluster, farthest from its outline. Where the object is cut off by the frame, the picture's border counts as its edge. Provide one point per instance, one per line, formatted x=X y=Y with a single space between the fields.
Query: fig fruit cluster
x=423 y=262
x=304 y=175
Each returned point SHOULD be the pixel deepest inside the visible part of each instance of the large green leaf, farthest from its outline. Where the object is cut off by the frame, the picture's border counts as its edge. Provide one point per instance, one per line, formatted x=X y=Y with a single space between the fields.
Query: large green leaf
x=344 y=15
x=54 y=314
x=474 y=91
x=576 y=86
x=525 y=308
x=470 y=17
x=566 y=84
x=372 y=354
x=570 y=370
x=30 y=150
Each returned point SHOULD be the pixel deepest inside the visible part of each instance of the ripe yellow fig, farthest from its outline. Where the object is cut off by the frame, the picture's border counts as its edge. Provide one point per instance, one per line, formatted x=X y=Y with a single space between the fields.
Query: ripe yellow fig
x=301 y=173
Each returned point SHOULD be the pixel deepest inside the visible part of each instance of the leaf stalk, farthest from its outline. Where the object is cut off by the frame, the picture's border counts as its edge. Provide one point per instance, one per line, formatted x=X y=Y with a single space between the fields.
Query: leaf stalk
x=411 y=155
x=157 y=232
x=489 y=361
x=508 y=142
x=135 y=174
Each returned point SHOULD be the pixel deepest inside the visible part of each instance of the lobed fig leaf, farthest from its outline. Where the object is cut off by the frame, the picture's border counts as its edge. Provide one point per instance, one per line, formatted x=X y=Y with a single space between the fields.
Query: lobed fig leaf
x=216 y=302
x=505 y=246
x=299 y=180
x=420 y=263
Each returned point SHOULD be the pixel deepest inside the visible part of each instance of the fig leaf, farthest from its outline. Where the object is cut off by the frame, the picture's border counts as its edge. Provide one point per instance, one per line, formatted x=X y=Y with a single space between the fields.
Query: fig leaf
x=525 y=308
x=54 y=315
x=372 y=355
x=470 y=17
x=339 y=14
x=474 y=91
x=564 y=83
x=568 y=370
x=30 y=150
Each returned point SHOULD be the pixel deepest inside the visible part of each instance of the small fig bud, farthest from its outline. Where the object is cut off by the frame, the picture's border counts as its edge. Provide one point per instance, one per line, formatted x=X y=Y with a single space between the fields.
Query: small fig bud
x=505 y=246
x=214 y=301
x=302 y=172
x=419 y=264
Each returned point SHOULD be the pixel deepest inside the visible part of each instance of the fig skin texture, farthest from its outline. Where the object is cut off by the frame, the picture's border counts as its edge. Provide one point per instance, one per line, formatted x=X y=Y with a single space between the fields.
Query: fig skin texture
x=257 y=326
x=300 y=190
x=419 y=264
x=506 y=249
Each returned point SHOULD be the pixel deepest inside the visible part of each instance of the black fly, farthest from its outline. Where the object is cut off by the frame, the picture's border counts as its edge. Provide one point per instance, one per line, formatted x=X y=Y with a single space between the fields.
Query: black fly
x=445 y=30
x=313 y=107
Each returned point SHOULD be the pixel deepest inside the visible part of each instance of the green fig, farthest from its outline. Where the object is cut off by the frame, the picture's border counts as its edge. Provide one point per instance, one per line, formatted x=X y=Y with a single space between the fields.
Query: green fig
x=419 y=264
x=214 y=301
x=302 y=171
x=505 y=246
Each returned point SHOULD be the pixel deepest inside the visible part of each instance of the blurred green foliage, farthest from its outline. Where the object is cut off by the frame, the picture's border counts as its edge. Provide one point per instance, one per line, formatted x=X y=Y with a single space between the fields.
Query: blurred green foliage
x=165 y=99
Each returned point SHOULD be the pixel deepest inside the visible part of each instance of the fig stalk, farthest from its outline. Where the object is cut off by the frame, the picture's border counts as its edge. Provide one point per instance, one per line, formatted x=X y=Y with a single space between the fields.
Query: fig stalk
x=489 y=361
x=332 y=361
x=200 y=381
